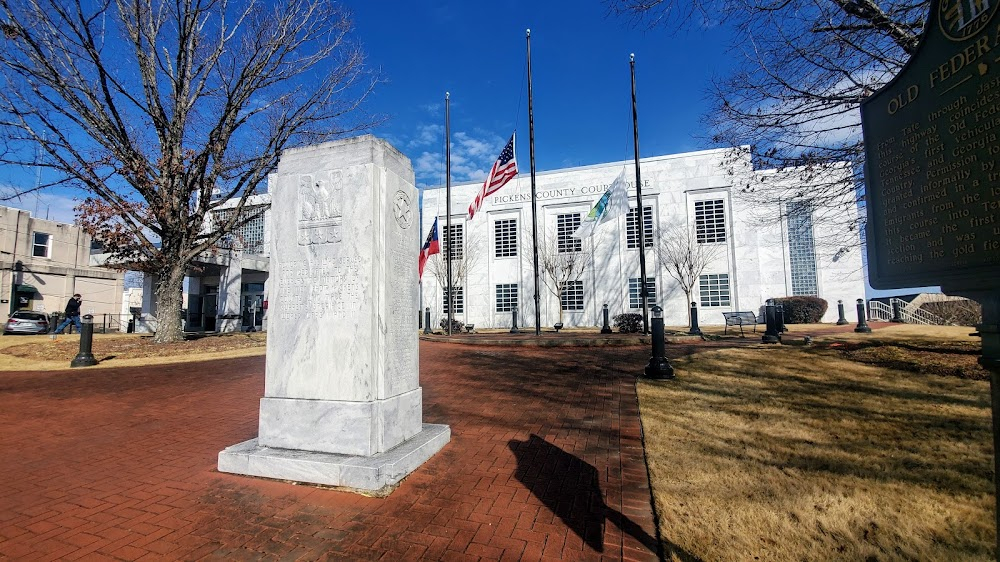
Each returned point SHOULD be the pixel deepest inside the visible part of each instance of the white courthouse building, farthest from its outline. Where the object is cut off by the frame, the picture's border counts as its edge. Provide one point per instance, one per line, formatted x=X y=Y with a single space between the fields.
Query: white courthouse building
x=751 y=260
x=756 y=252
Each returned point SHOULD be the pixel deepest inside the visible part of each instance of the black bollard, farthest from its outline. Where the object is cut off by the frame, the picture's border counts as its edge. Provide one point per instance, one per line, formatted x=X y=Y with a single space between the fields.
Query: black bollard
x=771 y=335
x=840 y=310
x=86 y=357
x=862 y=327
x=427 y=320
x=606 y=329
x=695 y=330
x=513 y=328
x=779 y=318
x=658 y=367
x=896 y=317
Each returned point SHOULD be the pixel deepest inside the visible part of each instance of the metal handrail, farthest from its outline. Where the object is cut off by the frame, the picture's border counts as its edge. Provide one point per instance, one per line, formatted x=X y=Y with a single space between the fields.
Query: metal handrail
x=882 y=312
x=879 y=311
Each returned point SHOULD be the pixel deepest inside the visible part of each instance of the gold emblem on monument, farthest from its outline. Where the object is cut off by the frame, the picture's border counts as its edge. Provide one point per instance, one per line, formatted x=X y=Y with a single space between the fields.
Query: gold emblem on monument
x=961 y=19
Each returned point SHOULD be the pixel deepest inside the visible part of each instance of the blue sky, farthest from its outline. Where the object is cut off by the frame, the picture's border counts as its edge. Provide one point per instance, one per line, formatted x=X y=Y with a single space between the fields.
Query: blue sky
x=580 y=77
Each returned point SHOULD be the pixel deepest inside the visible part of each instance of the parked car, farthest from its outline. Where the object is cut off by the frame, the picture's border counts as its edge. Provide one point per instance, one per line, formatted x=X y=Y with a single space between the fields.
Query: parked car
x=26 y=322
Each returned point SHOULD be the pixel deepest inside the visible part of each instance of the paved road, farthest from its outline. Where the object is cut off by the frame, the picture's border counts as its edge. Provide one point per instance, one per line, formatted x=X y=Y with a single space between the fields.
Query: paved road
x=545 y=462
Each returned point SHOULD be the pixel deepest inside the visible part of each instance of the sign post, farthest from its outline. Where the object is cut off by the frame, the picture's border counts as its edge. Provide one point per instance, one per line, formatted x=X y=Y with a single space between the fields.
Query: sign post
x=932 y=148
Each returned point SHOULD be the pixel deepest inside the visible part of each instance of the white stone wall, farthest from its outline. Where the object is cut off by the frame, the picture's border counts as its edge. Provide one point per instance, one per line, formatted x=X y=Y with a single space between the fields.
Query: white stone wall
x=755 y=254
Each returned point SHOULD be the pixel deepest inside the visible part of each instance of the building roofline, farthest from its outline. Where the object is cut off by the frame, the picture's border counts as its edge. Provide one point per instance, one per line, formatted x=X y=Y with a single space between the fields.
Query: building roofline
x=696 y=153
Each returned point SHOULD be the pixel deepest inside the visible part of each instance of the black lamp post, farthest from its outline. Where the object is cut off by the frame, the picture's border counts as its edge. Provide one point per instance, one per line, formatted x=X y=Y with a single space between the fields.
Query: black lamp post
x=427 y=320
x=85 y=358
x=513 y=328
x=606 y=329
x=695 y=330
x=896 y=315
x=658 y=367
x=771 y=335
x=840 y=310
x=862 y=327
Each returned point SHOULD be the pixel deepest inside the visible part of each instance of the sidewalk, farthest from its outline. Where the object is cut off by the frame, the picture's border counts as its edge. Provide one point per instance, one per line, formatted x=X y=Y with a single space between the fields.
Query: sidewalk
x=545 y=461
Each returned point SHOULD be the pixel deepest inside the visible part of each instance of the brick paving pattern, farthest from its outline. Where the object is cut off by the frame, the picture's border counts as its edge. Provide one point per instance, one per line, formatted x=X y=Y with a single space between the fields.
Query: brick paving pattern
x=545 y=462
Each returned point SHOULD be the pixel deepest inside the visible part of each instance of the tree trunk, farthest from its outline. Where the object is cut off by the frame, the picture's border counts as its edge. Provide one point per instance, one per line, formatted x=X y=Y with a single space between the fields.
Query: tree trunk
x=169 y=299
x=687 y=304
x=559 y=301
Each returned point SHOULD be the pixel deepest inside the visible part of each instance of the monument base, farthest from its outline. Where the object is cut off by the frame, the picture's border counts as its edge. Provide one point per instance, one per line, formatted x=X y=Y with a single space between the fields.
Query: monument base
x=376 y=474
x=338 y=426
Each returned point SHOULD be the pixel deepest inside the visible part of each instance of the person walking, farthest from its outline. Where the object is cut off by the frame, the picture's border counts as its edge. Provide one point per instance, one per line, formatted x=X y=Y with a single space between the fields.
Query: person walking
x=72 y=314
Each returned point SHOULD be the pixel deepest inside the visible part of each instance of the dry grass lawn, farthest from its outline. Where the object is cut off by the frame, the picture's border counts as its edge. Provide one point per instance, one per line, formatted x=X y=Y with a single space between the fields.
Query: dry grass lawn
x=836 y=451
x=44 y=353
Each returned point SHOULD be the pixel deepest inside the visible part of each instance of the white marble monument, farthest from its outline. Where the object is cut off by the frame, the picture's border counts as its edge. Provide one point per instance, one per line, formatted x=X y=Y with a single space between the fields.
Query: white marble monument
x=342 y=401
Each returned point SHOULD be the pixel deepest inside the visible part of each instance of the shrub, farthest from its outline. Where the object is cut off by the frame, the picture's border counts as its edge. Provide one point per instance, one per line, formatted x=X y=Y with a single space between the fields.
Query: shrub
x=802 y=310
x=628 y=323
x=456 y=326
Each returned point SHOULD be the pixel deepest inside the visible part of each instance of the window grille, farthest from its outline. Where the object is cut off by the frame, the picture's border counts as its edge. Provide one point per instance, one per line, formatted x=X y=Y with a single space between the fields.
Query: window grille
x=40 y=247
x=801 y=249
x=506 y=297
x=635 y=292
x=710 y=221
x=566 y=225
x=453 y=241
x=714 y=289
x=632 y=228
x=458 y=301
x=250 y=236
x=572 y=295
x=505 y=234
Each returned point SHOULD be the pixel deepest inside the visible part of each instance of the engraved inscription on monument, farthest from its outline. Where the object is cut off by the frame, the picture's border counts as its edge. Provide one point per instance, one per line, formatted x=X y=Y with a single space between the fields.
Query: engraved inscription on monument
x=933 y=157
x=400 y=254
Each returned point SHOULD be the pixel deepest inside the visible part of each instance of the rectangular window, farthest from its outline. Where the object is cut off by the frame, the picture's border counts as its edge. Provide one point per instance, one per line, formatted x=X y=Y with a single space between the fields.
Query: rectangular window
x=632 y=228
x=506 y=297
x=453 y=242
x=505 y=234
x=710 y=221
x=572 y=295
x=458 y=301
x=714 y=289
x=801 y=249
x=635 y=292
x=41 y=245
x=249 y=236
x=566 y=225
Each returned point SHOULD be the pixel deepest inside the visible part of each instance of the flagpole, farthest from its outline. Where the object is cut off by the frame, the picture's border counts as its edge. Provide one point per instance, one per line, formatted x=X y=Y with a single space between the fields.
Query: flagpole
x=534 y=216
x=447 y=183
x=640 y=215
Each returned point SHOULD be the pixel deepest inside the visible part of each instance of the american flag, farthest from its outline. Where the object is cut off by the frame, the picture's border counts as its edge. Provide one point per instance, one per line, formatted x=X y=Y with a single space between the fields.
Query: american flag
x=504 y=170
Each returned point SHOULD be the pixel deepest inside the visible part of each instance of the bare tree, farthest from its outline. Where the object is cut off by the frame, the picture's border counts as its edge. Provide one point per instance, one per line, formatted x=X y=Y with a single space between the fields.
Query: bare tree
x=160 y=110
x=560 y=265
x=806 y=65
x=683 y=258
x=962 y=312
x=465 y=258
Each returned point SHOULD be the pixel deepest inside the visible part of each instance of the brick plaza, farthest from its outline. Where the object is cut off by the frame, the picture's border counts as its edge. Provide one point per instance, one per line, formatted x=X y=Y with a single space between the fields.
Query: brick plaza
x=545 y=462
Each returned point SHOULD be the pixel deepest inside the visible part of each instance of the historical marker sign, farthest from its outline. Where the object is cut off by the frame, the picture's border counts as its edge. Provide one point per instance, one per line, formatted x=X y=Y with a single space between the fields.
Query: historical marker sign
x=932 y=140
